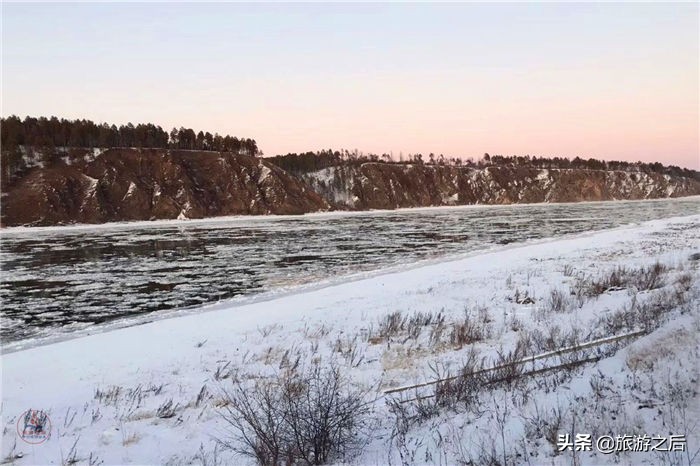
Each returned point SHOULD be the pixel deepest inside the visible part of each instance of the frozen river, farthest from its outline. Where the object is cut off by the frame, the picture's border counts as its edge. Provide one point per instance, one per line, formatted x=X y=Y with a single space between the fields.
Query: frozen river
x=64 y=279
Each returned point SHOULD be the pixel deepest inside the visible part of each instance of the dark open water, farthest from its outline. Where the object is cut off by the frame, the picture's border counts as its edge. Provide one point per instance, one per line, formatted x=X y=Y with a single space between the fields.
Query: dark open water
x=64 y=279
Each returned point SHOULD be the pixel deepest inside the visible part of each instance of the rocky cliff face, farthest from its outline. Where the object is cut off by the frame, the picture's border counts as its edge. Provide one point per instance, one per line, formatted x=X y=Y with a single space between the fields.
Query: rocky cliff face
x=143 y=184
x=389 y=186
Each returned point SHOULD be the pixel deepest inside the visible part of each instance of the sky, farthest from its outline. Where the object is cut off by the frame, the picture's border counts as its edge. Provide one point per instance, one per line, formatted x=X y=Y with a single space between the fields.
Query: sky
x=611 y=81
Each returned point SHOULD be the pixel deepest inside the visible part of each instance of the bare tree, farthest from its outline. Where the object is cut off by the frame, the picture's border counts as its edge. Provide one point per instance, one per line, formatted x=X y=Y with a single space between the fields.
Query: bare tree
x=310 y=415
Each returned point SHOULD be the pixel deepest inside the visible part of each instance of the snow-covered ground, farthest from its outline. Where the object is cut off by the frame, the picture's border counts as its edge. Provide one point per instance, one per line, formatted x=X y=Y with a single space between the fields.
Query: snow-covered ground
x=153 y=393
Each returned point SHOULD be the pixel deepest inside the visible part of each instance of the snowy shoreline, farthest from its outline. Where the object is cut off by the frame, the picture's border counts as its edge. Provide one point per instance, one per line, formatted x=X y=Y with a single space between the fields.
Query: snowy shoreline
x=184 y=356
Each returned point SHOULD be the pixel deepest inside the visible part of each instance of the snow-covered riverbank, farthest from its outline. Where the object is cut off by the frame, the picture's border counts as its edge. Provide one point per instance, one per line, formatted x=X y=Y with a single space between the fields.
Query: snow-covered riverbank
x=105 y=393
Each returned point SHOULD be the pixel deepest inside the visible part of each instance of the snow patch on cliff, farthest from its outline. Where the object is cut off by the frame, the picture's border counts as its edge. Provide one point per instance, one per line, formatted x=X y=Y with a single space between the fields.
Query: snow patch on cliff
x=450 y=200
x=130 y=190
x=92 y=186
x=264 y=172
x=334 y=183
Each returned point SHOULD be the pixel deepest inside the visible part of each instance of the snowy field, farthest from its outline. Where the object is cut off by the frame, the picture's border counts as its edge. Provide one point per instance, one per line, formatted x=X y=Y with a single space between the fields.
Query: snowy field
x=160 y=393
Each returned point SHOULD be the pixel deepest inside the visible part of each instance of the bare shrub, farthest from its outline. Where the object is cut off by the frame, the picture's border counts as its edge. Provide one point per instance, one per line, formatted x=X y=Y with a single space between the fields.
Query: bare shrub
x=205 y=458
x=483 y=315
x=558 y=302
x=222 y=371
x=166 y=410
x=500 y=413
x=612 y=280
x=507 y=367
x=94 y=460
x=437 y=330
x=109 y=396
x=415 y=324
x=96 y=415
x=349 y=349
x=685 y=281
x=619 y=278
x=545 y=424
x=553 y=425
x=470 y=329
x=203 y=394
x=488 y=454
x=402 y=422
x=579 y=292
x=550 y=339
x=72 y=457
x=463 y=390
x=648 y=314
x=267 y=330
x=13 y=454
x=396 y=324
x=391 y=325
x=257 y=421
x=325 y=415
x=648 y=278
x=291 y=358
x=515 y=324
x=308 y=416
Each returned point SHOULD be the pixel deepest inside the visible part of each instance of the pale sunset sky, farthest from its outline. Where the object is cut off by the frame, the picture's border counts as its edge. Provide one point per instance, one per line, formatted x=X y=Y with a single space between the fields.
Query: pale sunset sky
x=611 y=81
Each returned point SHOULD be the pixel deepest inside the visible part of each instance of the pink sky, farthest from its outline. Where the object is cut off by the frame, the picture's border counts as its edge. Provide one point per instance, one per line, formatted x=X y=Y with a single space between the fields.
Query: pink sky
x=610 y=81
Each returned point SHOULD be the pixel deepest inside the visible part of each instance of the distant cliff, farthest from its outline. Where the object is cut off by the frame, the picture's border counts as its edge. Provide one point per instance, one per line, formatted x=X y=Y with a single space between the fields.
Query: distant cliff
x=388 y=186
x=95 y=186
x=143 y=184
